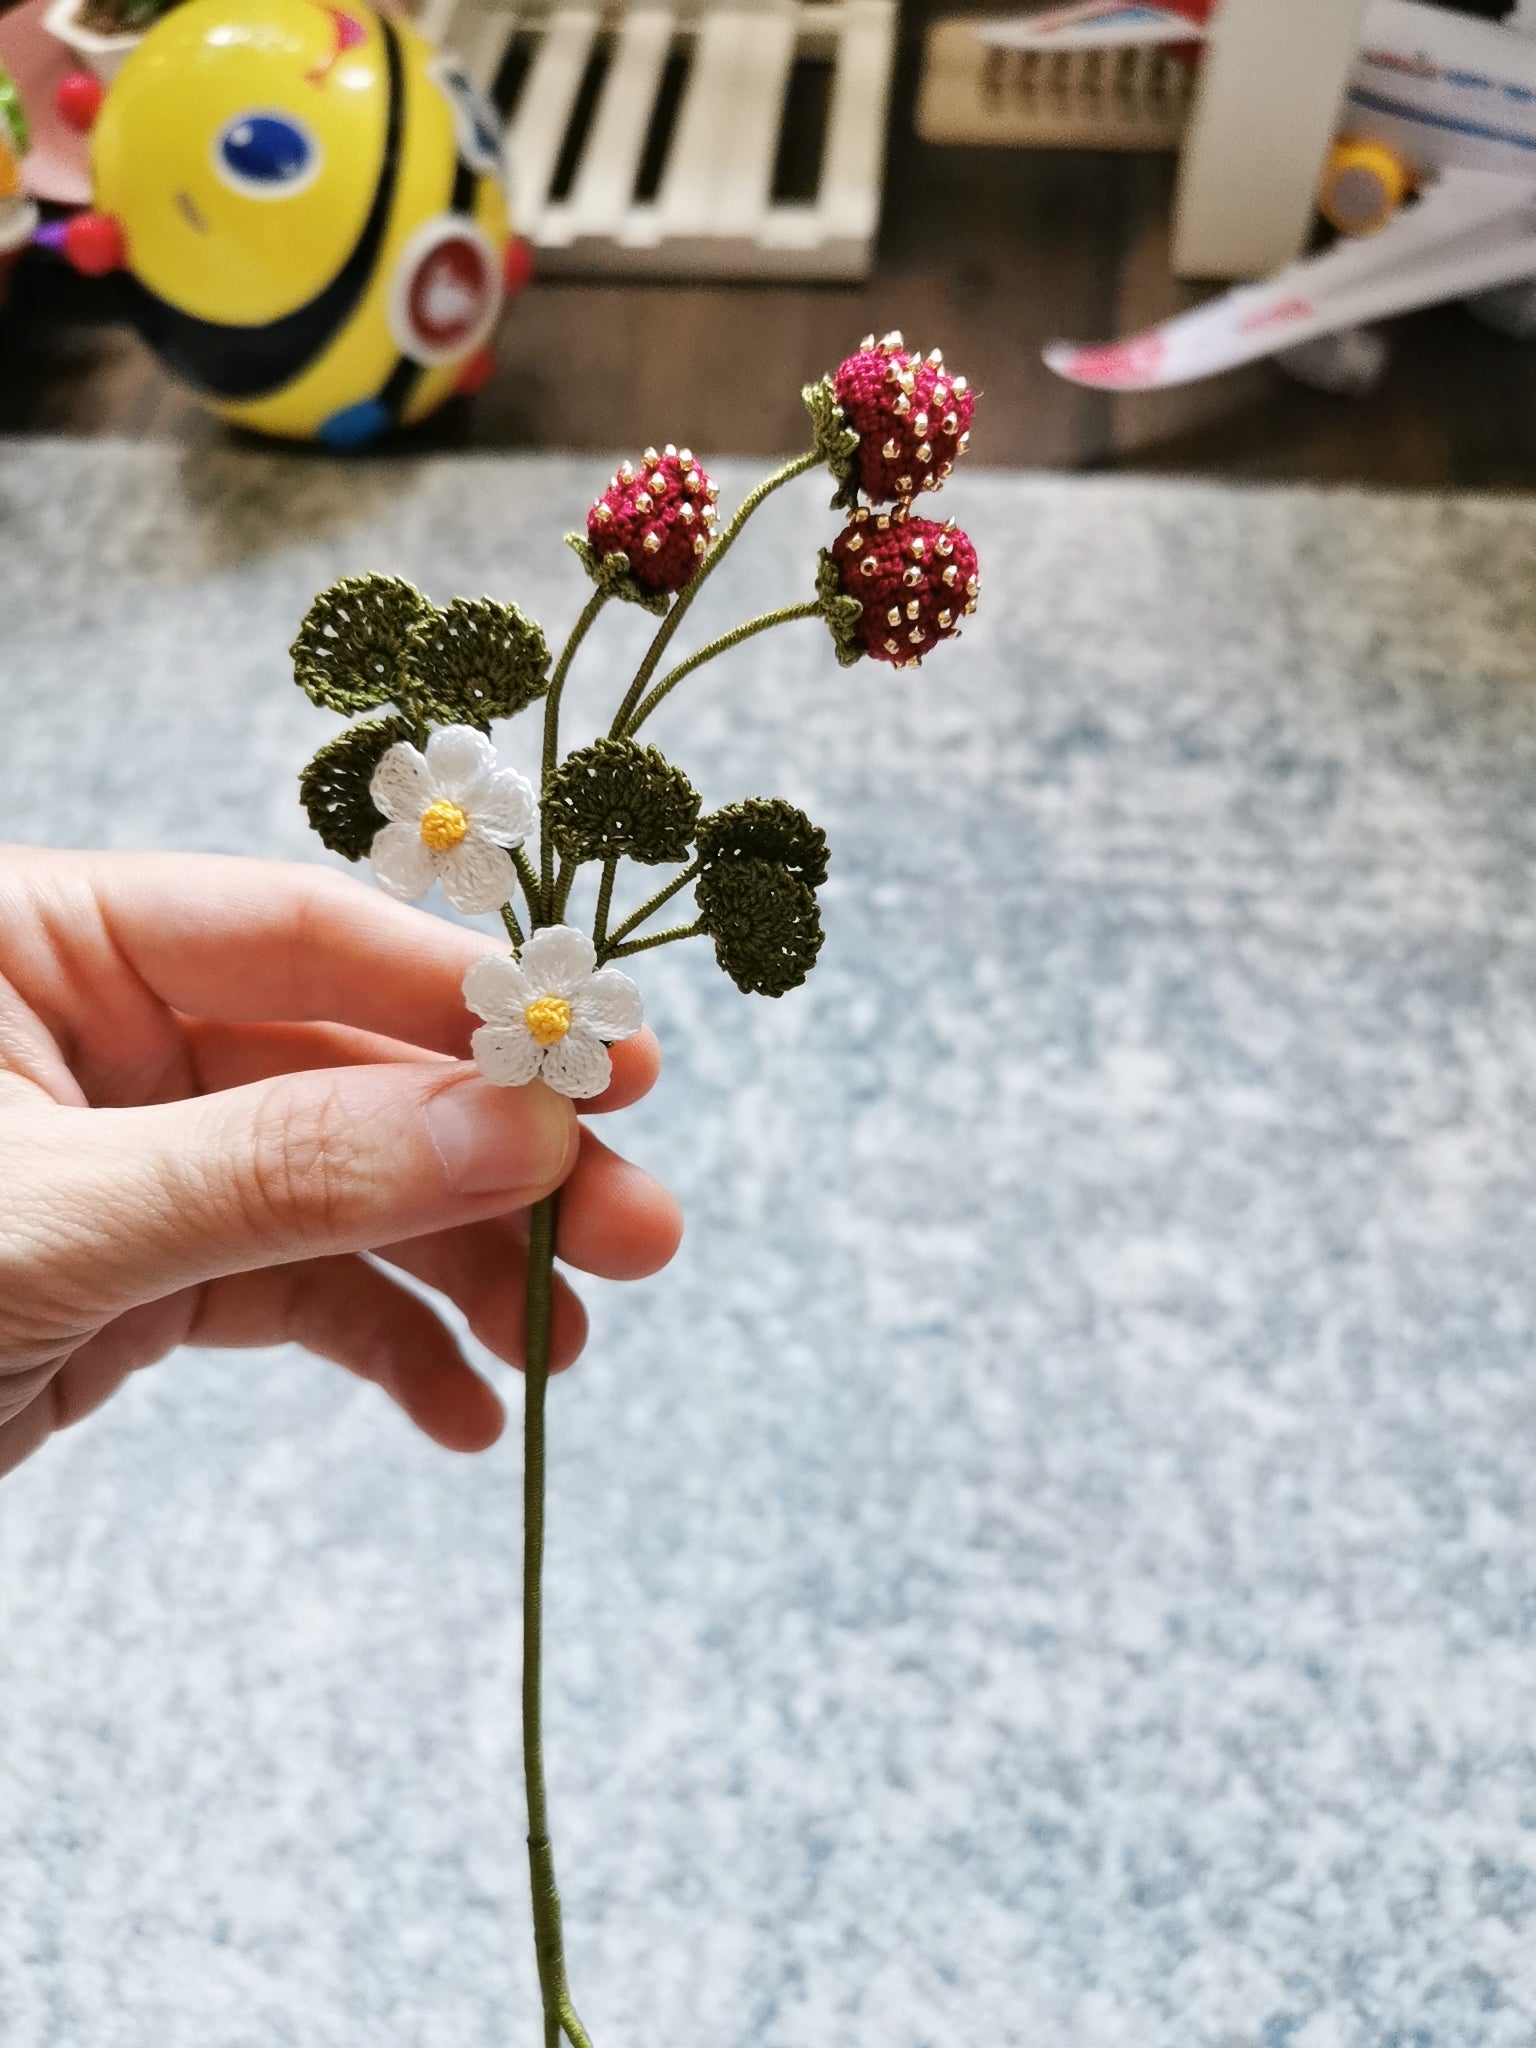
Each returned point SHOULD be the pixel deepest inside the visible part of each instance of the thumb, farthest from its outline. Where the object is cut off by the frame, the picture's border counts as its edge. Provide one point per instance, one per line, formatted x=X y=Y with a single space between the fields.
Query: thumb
x=133 y=1203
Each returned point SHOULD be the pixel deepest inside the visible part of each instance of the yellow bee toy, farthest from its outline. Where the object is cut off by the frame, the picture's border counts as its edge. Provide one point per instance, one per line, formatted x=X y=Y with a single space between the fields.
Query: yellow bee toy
x=308 y=206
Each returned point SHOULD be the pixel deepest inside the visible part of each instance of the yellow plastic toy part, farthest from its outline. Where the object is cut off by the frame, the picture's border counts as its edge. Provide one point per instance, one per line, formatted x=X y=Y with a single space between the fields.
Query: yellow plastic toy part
x=312 y=211
x=1363 y=185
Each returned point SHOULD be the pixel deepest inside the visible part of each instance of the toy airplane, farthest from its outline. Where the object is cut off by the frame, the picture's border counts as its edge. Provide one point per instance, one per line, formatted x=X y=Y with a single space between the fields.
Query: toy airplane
x=1431 y=183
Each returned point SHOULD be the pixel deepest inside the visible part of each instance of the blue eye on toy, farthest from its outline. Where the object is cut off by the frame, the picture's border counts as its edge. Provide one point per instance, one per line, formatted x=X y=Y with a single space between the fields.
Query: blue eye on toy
x=266 y=155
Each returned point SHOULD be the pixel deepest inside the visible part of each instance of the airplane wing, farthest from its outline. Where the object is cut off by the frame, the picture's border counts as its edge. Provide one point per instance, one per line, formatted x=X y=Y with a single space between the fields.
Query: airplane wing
x=1470 y=231
x=1096 y=25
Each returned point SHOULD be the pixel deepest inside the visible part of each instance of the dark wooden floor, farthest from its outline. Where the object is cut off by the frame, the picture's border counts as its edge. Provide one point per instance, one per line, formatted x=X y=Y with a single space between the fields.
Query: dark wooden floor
x=986 y=252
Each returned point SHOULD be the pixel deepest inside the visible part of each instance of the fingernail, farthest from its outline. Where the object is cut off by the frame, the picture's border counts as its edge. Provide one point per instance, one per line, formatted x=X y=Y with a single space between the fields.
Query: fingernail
x=499 y=1141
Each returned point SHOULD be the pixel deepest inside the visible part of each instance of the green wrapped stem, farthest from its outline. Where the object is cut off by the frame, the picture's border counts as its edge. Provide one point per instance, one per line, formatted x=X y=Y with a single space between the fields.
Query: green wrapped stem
x=728 y=537
x=559 y=2013
x=547 y=913
x=669 y=682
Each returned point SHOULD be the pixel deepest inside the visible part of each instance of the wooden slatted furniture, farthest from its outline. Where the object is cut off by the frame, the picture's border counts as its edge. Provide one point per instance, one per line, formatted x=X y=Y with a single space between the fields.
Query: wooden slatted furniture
x=647 y=140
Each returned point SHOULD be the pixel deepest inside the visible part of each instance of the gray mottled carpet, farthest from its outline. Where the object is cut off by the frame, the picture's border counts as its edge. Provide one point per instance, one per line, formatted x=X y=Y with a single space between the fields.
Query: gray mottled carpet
x=1053 y=1565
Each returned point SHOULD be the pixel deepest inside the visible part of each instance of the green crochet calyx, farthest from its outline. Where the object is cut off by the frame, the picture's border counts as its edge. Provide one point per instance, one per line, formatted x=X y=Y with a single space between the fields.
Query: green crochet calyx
x=768 y=829
x=843 y=614
x=617 y=799
x=764 y=922
x=612 y=573
x=836 y=442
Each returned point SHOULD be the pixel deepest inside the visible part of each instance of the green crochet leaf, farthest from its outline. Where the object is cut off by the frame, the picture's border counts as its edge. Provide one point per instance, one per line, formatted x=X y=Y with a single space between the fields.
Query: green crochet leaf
x=473 y=661
x=765 y=828
x=844 y=614
x=617 y=798
x=836 y=442
x=334 y=787
x=764 y=922
x=350 y=647
x=612 y=572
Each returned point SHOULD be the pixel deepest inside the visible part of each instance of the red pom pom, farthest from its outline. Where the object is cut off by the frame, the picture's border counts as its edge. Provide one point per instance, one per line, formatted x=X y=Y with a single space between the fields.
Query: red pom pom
x=661 y=516
x=77 y=99
x=915 y=578
x=912 y=417
x=517 y=265
x=94 y=243
x=476 y=372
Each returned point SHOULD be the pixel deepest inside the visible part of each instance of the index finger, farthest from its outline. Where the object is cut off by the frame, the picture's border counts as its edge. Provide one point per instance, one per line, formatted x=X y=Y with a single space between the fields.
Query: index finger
x=251 y=941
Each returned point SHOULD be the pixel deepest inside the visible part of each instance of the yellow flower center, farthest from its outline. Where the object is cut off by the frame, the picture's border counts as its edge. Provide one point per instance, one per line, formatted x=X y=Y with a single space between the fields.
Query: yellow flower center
x=443 y=825
x=548 y=1019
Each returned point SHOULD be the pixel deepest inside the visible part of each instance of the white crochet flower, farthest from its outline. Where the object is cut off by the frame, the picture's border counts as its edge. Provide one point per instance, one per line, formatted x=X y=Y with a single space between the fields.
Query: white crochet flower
x=453 y=813
x=549 y=1014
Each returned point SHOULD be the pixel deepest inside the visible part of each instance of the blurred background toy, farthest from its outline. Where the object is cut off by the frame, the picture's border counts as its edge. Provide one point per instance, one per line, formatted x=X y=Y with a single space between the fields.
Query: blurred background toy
x=306 y=207
x=101 y=33
x=56 y=169
x=1428 y=182
x=18 y=215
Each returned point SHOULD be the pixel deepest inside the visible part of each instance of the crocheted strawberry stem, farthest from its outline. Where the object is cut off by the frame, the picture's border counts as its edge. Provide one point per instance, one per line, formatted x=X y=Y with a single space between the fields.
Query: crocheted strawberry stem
x=604 y=903
x=559 y=2014
x=514 y=929
x=530 y=882
x=812 y=459
x=647 y=909
x=667 y=938
x=669 y=682
x=542 y=911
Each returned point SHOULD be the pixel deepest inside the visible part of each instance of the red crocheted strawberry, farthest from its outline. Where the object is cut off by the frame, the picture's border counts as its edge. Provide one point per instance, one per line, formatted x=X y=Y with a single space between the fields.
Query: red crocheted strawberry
x=912 y=418
x=894 y=586
x=661 y=518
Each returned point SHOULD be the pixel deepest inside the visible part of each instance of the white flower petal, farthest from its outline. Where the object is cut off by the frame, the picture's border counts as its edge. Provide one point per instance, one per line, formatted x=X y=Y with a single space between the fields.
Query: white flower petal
x=507 y=1054
x=558 y=959
x=578 y=1065
x=401 y=785
x=496 y=989
x=475 y=874
x=505 y=807
x=457 y=758
x=610 y=1003
x=401 y=864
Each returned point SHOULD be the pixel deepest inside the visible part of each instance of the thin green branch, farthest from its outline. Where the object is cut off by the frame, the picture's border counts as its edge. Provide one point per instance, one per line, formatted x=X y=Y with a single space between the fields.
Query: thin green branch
x=604 y=903
x=563 y=881
x=669 y=682
x=666 y=938
x=575 y=2032
x=690 y=591
x=589 y=612
x=649 y=908
x=531 y=888
x=548 y=1942
x=514 y=929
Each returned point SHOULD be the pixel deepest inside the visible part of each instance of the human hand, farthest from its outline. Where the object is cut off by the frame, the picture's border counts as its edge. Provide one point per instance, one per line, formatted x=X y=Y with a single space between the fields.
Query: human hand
x=221 y=1081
